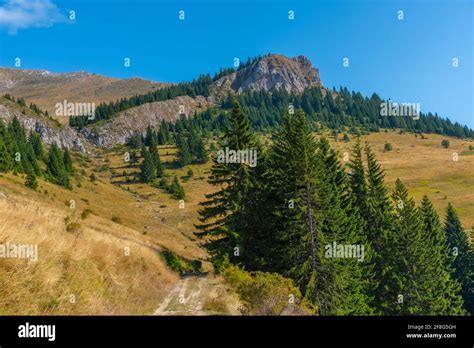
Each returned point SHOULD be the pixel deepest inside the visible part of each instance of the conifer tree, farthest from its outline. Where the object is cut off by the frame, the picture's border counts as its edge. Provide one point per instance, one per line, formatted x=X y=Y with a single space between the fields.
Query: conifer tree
x=147 y=168
x=184 y=151
x=155 y=157
x=31 y=164
x=37 y=144
x=5 y=156
x=344 y=225
x=417 y=284
x=31 y=181
x=201 y=152
x=310 y=216
x=177 y=189
x=222 y=213
x=133 y=157
x=444 y=295
x=56 y=172
x=149 y=135
x=377 y=212
x=67 y=161
x=461 y=256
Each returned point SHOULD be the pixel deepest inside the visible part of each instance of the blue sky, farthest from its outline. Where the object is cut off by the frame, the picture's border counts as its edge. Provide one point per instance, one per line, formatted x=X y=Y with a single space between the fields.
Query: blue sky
x=407 y=60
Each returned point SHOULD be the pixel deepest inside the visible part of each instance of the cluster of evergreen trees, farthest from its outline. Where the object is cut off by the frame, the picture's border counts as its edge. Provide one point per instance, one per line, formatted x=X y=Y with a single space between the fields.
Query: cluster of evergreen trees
x=151 y=167
x=190 y=143
x=282 y=214
x=21 y=153
x=21 y=102
x=175 y=188
x=336 y=110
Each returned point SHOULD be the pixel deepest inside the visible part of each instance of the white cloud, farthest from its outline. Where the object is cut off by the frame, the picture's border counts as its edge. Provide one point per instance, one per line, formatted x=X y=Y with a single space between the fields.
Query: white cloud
x=23 y=14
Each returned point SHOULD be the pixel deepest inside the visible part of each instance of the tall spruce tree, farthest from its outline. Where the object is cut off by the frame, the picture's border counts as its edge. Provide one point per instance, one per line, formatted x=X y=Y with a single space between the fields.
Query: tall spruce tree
x=67 y=161
x=376 y=211
x=462 y=257
x=147 y=168
x=55 y=170
x=222 y=215
x=309 y=216
x=345 y=226
x=37 y=144
x=184 y=151
x=155 y=157
x=6 y=161
x=200 y=151
x=444 y=296
x=408 y=258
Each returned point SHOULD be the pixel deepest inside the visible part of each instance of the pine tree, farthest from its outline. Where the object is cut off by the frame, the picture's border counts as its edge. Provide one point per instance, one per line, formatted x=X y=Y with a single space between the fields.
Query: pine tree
x=155 y=157
x=6 y=162
x=31 y=164
x=176 y=189
x=462 y=259
x=149 y=136
x=377 y=213
x=184 y=151
x=147 y=168
x=310 y=215
x=201 y=152
x=444 y=297
x=222 y=213
x=31 y=181
x=36 y=143
x=55 y=170
x=344 y=225
x=67 y=161
x=133 y=158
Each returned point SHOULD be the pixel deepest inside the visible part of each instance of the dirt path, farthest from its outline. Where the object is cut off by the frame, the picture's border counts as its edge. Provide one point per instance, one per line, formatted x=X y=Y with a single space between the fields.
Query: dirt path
x=203 y=295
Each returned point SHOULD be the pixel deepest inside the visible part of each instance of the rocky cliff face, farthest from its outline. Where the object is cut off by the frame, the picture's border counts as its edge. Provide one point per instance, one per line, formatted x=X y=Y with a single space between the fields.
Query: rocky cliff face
x=50 y=132
x=124 y=124
x=273 y=72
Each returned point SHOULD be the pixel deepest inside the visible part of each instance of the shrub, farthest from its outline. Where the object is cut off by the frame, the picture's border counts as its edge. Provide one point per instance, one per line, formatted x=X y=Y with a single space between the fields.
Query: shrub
x=92 y=177
x=85 y=213
x=71 y=225
x=388 y=147
x=445 y=143
x=184 y=267
x=116 y=219
x=31 y=182
x=264 y=293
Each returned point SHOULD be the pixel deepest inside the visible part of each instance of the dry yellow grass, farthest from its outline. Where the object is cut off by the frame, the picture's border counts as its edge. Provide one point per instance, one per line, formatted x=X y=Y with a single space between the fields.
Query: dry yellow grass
x=106 y=268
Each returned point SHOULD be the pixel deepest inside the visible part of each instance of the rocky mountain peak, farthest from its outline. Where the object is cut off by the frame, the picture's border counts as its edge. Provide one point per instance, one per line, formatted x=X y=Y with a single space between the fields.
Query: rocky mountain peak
x=275 y=72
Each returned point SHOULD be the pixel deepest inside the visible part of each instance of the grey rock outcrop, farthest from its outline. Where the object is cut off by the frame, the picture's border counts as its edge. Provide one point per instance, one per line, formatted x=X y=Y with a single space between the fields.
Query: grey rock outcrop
x=50 y=132
x=118 y=129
